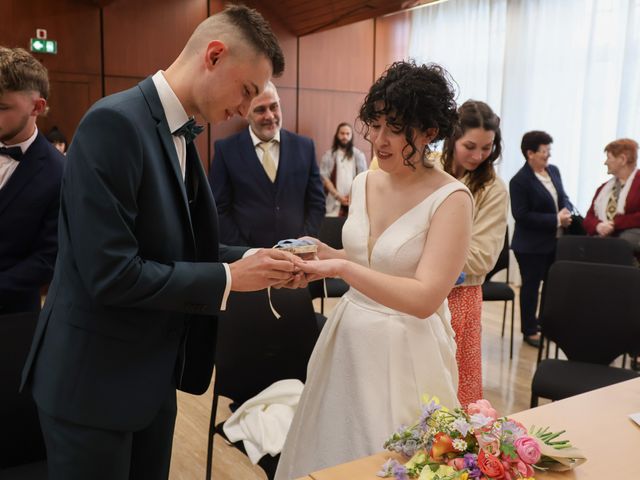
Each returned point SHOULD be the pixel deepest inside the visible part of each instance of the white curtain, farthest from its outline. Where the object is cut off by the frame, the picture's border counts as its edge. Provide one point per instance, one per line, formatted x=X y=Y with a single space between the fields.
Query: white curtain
x=468 y=39
x=568 y=67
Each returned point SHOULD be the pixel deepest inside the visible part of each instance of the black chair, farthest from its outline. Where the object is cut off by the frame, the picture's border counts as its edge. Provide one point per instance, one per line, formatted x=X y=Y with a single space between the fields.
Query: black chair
x=591 y=312
x=501 y=291
x=610 y=250
x=254 y=350
x=331 y=234
x=22 y=451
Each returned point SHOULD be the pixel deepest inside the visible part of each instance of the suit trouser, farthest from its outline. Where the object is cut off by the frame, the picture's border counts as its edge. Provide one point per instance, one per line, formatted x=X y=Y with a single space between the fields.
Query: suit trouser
x=533 y=270
x=79 y=452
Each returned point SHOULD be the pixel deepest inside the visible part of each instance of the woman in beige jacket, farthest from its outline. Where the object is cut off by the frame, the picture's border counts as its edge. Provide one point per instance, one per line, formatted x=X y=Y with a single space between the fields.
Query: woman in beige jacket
x=469 y=155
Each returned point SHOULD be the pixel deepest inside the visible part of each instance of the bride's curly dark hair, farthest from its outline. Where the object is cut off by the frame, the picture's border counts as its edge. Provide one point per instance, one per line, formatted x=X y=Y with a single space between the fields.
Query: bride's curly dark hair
x=413 y=98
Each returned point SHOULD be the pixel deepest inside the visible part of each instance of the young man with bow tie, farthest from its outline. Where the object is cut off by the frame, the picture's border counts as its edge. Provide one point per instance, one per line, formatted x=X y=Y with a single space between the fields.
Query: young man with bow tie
x=30 y=176
x=140 y=277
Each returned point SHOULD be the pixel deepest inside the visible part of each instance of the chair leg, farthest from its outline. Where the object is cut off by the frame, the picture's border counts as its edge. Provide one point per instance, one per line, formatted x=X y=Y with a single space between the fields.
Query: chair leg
x=548 y=348
x=540 y=348
x=322 y=305
x=534 y=400
x=513 y=307
x=212 y=432
x=504 y=316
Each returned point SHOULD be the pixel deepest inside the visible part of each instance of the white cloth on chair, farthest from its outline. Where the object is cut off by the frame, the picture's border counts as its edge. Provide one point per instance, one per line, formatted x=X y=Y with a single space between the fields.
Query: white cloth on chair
x=262 y=422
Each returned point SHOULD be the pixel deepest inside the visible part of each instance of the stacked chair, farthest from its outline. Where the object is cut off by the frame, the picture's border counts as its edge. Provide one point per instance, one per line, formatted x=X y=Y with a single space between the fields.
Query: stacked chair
x=591 y=313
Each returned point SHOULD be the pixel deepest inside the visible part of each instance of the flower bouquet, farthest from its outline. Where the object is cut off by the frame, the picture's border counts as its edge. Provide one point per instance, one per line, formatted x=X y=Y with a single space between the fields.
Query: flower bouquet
x=475 y=444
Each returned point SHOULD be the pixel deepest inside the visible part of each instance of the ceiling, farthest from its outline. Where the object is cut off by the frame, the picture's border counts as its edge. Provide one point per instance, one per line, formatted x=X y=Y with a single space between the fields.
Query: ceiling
x=303 y=17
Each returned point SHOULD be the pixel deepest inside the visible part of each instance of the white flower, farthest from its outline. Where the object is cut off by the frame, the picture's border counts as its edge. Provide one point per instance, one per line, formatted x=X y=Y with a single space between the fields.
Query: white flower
x=459 y=444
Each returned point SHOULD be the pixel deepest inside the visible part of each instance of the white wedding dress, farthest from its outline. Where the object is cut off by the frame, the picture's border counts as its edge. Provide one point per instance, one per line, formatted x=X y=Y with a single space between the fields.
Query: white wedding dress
x=372 y=364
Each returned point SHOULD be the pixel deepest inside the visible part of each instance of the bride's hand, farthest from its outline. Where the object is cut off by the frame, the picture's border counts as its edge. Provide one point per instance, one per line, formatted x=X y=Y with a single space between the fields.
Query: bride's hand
x=317 y=269
x=323 y=249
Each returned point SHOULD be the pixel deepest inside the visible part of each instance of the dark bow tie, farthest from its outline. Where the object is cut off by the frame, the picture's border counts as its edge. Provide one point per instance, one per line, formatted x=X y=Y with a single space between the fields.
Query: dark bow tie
x=13 y=152
x=189 y=130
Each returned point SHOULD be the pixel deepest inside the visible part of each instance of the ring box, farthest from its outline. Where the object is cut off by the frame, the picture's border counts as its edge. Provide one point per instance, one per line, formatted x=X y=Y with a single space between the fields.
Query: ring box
x=297 y=246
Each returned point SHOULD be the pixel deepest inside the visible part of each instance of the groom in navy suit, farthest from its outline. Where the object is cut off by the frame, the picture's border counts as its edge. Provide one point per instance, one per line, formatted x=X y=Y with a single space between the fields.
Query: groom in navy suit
x=30 y=176
x=140 y=276
x=266 y=180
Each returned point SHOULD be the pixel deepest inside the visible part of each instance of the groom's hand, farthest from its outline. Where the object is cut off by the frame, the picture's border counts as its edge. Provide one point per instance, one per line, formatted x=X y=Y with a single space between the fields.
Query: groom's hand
x=265 y=268
x=298 y=280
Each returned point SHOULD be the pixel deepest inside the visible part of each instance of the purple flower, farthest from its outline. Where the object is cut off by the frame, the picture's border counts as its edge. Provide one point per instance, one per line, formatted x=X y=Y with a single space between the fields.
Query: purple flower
x=478 y=420
x=400 y=472
x=385 y=471
x=512 y=430
x=461 y=425
x=428 y=410
x=392 y=467
x=471 y=464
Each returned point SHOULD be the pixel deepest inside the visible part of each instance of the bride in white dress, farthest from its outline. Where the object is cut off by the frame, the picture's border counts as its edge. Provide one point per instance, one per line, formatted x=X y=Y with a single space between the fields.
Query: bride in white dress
x=389 y=340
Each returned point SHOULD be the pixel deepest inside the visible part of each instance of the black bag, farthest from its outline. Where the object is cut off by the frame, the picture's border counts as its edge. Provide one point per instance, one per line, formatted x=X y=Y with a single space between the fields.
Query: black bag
x=576 y=227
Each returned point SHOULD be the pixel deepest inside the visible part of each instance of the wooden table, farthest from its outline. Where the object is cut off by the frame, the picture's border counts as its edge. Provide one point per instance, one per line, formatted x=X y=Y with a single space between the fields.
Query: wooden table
x=596 y=422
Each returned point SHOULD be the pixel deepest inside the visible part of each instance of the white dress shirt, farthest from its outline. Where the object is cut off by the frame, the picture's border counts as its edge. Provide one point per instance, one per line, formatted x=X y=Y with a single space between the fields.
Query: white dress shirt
x=176 y=117
x=8 y=164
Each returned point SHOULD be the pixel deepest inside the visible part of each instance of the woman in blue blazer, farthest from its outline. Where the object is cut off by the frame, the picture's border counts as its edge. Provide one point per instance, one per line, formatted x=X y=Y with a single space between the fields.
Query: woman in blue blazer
x=540 y=208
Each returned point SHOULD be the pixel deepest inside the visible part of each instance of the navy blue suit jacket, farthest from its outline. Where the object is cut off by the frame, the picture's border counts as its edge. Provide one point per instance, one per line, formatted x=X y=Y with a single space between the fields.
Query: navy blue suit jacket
x=254 y=211
x=535 y=211
x=131 y=311
x=29 y=204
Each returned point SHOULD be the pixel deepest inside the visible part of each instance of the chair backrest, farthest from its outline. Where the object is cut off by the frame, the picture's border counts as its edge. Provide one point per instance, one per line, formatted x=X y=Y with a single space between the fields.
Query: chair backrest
x=21 y=439
x=503 y=259
x=254 y=349
x=331 y=231
x=590 y=310
x=611 y=250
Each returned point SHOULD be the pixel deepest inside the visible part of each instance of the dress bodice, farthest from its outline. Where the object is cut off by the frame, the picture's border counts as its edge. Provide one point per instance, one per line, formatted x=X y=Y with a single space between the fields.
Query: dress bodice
x=398 y=250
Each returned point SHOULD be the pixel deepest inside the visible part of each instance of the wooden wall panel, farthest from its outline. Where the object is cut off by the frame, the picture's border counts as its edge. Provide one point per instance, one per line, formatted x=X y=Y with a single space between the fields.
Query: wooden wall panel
x=74 y=72
x=286 y=84
x=392 y=40
x=288 y=42
x=71 y=96
x=340 y=59
x=73 y=24
x=113 y=84
x=322 y=111
x=145 y=36
x=336 y=71
x=288 y=105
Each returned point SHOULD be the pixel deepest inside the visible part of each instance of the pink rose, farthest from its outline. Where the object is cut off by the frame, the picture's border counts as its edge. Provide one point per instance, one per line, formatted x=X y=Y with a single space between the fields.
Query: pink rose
x=528 y=449
x=524 y=469
x=507 y=470
x=483 y=407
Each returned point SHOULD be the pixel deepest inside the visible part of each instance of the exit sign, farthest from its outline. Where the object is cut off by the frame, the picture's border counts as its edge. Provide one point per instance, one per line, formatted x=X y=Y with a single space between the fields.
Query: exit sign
x=39 y=45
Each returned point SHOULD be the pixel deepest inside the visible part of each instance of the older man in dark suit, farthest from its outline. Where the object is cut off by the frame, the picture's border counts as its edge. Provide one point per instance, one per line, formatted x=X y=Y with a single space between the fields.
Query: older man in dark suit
x=266 y=180
x=30 y=176
x=139 y=280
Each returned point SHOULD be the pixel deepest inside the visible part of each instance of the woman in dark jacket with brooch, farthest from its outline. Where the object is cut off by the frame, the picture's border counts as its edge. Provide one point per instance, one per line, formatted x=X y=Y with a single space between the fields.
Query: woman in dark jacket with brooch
x=540 y=208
